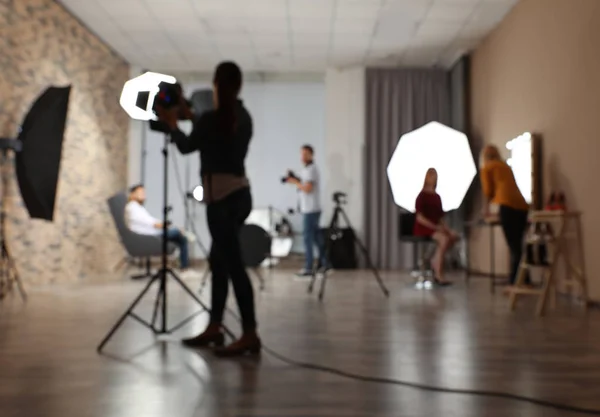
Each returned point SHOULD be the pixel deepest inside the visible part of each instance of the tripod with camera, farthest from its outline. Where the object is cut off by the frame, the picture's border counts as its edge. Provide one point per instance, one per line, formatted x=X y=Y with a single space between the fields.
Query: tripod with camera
x=161 y=277
x=333 y=232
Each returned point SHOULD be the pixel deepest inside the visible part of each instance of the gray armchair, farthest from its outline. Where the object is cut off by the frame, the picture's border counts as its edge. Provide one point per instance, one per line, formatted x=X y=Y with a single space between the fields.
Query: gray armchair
x=137 y=246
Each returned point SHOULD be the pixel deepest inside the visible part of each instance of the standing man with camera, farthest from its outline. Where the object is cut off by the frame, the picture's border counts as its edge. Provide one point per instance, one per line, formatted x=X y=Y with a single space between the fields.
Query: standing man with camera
x=308 y=184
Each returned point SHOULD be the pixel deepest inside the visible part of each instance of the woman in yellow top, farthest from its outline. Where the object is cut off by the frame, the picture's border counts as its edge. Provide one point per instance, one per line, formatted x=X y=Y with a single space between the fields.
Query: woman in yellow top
x=500 y=187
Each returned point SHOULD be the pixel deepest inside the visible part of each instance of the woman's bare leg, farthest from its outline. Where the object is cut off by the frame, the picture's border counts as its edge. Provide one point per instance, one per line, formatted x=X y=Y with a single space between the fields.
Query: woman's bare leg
x=437 y=262
x=445 y=240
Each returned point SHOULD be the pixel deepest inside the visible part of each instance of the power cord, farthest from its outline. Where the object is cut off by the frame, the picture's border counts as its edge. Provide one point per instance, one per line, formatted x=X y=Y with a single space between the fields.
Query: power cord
x=422 y=387
x=430 y=388
x=396 y=382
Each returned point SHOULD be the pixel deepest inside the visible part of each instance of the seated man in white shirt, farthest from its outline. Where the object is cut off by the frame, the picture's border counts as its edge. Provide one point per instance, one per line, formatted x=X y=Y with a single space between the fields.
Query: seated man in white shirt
x=140 y=221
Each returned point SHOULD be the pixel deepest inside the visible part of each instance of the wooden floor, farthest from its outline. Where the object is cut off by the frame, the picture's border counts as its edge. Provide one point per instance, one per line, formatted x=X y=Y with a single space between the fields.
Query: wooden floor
x=460 y=337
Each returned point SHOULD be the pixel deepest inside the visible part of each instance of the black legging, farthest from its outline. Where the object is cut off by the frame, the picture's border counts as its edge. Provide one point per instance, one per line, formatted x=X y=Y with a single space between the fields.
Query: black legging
x=225 y=219
x=514 y=226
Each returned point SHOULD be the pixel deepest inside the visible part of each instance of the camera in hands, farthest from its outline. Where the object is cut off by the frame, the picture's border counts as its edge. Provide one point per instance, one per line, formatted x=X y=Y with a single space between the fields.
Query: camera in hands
x=290 y=174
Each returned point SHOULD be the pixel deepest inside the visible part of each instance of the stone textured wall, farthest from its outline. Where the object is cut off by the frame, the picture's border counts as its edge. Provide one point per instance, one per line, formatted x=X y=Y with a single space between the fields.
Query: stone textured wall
x=41 y=44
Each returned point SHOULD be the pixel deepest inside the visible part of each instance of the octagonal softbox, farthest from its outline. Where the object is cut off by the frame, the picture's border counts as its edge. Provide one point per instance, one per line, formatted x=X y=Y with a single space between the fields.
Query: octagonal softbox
x=432 y=146
x=137 y=97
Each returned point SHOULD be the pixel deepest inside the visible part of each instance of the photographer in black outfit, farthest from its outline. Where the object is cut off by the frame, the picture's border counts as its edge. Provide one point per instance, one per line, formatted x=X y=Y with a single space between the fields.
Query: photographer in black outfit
x=222 y=137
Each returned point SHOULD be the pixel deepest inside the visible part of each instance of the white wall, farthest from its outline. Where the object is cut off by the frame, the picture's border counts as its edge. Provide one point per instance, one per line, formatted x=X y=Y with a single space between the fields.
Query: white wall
x=286 y=114
x=345 y=140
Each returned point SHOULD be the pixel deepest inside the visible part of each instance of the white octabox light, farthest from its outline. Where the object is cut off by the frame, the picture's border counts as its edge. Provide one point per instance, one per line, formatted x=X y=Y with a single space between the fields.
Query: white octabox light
x=137 y=97
x=432 y=146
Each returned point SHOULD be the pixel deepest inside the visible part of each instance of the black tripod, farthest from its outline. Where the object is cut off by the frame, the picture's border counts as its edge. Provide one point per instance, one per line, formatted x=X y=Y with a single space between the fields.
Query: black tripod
x=271 y=229
x=332 y=233
x=160 y=303
x=8 y=270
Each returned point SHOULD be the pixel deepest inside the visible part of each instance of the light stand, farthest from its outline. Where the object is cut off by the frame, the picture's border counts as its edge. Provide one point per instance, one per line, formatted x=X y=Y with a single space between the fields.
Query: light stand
x=186 y=198
x=271 y=248
x=141 y=262
x=189 y=222
x=8 y=270
x=160 y=303
x=331 y=231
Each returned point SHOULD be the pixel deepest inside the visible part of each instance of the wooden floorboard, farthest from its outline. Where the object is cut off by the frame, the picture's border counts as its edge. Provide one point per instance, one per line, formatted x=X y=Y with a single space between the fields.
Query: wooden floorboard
x=461 y=337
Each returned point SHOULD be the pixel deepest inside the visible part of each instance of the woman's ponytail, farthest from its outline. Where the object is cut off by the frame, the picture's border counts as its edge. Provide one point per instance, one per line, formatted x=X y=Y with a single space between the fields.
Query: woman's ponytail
x=228 y=82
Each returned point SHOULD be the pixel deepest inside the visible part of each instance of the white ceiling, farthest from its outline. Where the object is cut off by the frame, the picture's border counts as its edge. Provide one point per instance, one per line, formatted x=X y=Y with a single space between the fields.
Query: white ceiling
x=289 y=35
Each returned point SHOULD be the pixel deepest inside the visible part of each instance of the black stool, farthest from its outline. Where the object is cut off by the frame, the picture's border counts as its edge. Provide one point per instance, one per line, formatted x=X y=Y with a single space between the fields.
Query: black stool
x=423 y=250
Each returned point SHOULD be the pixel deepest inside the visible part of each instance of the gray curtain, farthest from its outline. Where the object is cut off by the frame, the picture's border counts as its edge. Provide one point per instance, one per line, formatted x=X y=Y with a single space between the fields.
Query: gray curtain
x=461 y=108
x=398 y=101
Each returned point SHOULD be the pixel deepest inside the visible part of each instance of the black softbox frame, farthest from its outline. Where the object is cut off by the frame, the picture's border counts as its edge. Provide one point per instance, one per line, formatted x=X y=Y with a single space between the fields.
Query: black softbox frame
x=38 y=162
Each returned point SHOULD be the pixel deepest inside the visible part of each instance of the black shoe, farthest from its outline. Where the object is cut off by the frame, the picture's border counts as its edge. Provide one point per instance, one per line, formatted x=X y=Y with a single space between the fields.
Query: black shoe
x=441 y=283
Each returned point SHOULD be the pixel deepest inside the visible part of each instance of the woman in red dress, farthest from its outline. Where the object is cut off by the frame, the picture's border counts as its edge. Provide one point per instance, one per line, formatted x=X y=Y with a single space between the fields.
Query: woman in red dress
x=429 y=222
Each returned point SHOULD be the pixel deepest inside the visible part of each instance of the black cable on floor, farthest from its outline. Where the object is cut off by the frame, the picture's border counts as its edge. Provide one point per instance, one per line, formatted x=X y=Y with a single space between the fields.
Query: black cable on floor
x=422 y=387
x=413 y=385
x=430 y=388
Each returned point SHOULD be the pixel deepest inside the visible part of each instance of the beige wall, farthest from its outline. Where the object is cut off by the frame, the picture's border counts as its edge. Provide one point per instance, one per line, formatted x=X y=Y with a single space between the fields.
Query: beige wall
x=41 y=44
x=540 y=71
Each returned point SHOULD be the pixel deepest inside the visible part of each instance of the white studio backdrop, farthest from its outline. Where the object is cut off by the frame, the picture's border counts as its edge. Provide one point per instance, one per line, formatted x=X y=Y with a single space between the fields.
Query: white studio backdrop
x=286 y=116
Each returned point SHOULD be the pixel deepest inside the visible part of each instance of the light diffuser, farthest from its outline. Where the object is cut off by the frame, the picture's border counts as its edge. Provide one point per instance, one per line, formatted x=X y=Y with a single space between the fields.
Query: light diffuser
x=147 y=82
x=432 y=146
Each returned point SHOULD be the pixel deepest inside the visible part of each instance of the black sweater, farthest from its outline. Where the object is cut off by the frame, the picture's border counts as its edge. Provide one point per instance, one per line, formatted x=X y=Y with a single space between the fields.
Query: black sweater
x=219 y=153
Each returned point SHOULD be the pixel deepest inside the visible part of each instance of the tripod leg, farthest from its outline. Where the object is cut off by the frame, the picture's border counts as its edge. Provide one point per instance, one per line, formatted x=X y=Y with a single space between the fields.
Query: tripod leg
x=156 y=302
x=322 y=290
x=330 y=231
x=120 y=264
x=9 y=266
x=327 y=253
x=4 y=279
x=199 y=301
x=372 y=267
x=204 y=280
x=261 y=279
x=365 y=252
x=124 y=316
x=312 y=282
x=19 y=284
